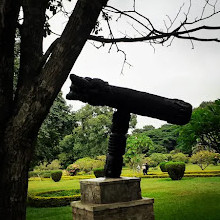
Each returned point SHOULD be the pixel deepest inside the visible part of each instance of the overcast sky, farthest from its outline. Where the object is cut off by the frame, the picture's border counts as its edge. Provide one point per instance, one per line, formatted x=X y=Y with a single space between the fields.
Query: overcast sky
x=177 y=71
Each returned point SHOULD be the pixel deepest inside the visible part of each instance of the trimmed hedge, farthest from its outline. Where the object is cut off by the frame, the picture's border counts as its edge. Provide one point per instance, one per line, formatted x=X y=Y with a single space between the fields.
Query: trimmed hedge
x=56 y=175
x=163 y=166
x=43 y=199
x=175 y=170
x=99 y=172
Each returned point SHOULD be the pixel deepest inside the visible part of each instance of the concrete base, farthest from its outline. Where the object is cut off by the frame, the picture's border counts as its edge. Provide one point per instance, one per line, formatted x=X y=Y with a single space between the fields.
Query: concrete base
x=101 y=200
x=135 y=210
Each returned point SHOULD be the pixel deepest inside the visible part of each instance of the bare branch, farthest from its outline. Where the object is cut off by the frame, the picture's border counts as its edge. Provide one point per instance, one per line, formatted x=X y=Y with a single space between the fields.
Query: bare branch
x=163 y=36
x=198 y=39
x=125 y=13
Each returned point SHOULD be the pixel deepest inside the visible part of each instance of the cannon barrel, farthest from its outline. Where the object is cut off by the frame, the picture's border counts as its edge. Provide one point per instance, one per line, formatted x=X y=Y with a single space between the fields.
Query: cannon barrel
x=100 y=93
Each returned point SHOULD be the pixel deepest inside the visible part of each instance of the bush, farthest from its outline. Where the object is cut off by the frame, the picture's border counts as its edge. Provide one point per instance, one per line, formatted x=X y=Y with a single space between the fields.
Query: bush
x=158 y=158
x=175 y=170
x=54 y=165
x=56 y=175
x=179 y=157
x=87 y=164
x=150 y=162
x=163 y=166
x=72 y=169
x=41 y=174
x=99 y=172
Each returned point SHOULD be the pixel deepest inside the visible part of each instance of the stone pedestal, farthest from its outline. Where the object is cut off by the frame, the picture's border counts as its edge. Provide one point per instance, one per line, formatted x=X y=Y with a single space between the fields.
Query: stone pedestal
x=112 y=199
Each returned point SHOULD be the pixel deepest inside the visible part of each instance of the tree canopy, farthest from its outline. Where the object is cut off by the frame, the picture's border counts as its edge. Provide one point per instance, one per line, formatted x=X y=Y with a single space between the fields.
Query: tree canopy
x=164 y=137
x=90 y=137
x=59 y=123
x=203 y=129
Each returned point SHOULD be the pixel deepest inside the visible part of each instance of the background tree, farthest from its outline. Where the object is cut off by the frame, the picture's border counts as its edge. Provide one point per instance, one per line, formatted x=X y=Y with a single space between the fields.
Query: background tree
x=135 y=148
x=203 y=129
x=203 y=158
x=164 y=138
x=59 y=123
x=41 y=76
x=90 y=137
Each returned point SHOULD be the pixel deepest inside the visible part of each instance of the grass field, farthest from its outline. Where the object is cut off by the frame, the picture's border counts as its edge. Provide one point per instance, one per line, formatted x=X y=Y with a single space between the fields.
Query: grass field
x=190 y=198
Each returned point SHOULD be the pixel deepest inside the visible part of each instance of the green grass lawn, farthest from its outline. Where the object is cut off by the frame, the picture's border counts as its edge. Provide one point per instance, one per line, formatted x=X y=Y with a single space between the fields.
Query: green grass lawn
x=190 y=198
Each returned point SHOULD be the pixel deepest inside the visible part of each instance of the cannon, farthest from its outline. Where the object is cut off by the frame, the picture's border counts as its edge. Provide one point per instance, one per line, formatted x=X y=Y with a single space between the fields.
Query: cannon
x=99 y=93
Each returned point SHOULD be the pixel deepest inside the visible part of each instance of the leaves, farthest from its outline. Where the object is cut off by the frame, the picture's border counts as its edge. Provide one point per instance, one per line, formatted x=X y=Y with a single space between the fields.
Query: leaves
x=204 y=128
x=58 y=124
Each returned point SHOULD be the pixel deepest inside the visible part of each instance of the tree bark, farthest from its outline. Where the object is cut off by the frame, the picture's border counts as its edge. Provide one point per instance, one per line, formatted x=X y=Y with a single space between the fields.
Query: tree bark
x=36 y=91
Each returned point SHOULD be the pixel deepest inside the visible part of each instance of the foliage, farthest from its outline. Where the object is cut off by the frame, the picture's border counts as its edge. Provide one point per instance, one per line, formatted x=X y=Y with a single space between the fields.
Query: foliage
x=72 y=169
x=164 y=138
x=56 y=175
x=99 y=172
x=136 y=145
x=155 y=148
x=163 y=166
x=175 y=170
x=179 y=157
x=87 y=164
x=90 y=137
x=158 y=158
x=59 y=122
x=40 y=173
x=53 y=198
x=54 y=165
x=151 y=162
x=203 y=128
x=203 y=158
x=44 y=170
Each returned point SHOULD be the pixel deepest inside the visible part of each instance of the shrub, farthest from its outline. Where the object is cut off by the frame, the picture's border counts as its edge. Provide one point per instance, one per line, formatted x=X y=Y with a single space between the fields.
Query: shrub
x=216 y=159
x=56 y=175
x=72 y=169
x=41 y=174
x=99 y=172
x=46 y=174
x=158 y=158
x=179 y=157
x=87 y=164
x=101 y=157
x=175 y=170
x=54 y=165
x=163 y=166
x=150 y=162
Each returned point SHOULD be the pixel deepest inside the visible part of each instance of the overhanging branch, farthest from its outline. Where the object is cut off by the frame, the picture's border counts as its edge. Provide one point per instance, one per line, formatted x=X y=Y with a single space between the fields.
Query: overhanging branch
x=162 y=36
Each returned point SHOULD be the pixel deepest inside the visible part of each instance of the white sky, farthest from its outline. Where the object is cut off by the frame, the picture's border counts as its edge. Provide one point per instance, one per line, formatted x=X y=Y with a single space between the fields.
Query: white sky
x=179 y=71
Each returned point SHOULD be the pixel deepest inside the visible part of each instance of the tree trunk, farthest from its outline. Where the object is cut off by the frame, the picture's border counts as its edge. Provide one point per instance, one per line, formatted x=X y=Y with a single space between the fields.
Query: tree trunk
x=36 y=91
x=15 y=180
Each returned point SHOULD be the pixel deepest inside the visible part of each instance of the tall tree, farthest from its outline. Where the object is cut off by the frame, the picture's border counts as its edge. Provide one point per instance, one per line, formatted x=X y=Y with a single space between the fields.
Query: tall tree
x=41 y=76
x=164 y=138
x=59 y=123
x=203 y=129
x=90 y=137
